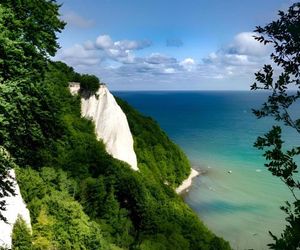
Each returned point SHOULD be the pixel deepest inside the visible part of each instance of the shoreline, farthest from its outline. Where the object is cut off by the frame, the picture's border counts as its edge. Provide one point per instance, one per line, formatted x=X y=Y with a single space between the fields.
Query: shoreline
x=187 y=182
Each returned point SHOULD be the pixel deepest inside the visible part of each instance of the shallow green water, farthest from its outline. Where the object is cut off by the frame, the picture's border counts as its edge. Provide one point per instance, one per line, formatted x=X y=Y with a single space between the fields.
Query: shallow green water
x=217 y=131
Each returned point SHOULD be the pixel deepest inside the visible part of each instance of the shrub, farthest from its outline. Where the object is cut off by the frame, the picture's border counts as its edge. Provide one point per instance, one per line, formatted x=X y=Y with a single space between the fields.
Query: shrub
x=89 y=84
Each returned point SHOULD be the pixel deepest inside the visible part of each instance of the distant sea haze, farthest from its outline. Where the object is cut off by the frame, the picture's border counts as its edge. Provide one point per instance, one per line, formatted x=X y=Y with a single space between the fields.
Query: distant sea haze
x=237 y=198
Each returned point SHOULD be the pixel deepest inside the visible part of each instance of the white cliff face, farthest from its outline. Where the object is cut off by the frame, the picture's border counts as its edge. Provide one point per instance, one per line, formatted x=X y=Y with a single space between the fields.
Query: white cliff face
x=14 y=206
x=111 y=124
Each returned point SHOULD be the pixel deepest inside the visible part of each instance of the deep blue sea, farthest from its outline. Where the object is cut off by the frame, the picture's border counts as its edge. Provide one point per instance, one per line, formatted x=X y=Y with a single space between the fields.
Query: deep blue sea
x=217 y=131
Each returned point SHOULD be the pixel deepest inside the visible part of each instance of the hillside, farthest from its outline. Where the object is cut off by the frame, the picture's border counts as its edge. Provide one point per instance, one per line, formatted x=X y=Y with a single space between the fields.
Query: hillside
x=80 y=197
x=155 y=151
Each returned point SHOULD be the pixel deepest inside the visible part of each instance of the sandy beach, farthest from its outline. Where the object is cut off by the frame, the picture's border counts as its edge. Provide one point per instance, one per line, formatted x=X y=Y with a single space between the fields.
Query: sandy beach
x=187 y=182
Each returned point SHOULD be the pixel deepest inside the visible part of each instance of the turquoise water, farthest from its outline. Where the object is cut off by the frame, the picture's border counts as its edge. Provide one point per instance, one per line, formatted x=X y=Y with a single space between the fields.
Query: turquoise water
x=217 y=131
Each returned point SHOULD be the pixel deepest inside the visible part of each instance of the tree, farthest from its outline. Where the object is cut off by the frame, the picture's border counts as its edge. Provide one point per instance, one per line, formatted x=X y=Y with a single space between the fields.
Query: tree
x=284 y=35
x=21 y=235
x=27 y=36
x=89 y=84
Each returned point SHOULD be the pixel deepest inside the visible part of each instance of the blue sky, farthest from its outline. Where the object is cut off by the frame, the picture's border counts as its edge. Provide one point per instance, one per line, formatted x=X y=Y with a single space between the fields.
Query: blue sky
x=167 y=45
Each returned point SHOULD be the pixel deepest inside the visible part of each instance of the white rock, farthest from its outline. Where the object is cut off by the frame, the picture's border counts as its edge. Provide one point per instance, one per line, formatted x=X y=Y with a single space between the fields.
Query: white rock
x=111 y=124
x=14 y=206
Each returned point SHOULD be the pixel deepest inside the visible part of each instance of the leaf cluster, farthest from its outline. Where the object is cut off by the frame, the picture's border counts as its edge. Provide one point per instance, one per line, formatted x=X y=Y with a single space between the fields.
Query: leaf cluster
x=28 y=36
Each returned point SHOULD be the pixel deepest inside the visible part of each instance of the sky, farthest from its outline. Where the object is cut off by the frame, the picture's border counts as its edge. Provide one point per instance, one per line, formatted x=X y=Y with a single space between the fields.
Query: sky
x=167 y=44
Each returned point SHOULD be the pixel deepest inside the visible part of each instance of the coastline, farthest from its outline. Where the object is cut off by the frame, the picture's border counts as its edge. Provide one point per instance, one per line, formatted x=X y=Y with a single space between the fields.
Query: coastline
x=187 y=182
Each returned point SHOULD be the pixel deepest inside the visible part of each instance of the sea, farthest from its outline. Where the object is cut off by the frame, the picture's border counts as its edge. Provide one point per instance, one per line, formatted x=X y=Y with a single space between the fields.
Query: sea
x=235 y=196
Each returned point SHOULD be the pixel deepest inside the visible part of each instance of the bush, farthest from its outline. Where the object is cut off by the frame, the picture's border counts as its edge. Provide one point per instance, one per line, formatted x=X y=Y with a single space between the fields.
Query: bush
x=89 y=84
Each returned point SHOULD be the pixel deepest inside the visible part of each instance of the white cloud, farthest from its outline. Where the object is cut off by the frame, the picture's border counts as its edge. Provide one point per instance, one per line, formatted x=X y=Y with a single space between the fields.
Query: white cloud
x=121 y=50
x=245 y=44
x=188 y=64
x=131 y=45
x=241 y=58
x=73 y=19
x=155 y=64
x=169 y=71
x=228 y=59
x=244 y=50
x=78 y=55
x=157 y=58
x=89 y=45
x=104 y=42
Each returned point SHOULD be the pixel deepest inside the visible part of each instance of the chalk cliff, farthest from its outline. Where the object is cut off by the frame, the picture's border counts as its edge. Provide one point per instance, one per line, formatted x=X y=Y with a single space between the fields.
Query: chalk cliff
x=14 y=206
x=110 y=122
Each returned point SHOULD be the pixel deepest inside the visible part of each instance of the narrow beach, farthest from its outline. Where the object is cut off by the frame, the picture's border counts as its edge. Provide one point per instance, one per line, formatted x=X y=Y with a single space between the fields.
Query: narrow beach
x=187 y=182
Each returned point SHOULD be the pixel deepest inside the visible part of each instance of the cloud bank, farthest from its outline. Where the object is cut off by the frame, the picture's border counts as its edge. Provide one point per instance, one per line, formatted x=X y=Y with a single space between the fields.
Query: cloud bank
x=119 y=63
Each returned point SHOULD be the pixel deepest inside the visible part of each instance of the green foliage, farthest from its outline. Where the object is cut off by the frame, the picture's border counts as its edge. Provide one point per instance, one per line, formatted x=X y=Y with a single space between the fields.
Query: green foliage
x=11 y=56
x=28 y=117
x=27 y=37
x=89 y=84
x=92 y=196
x=58 y=220
x=284 y=35
x=155 y=151
x=120 y=227
x=21 y=235
x=66 y=71
x=154 y=243
x=39 y=23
